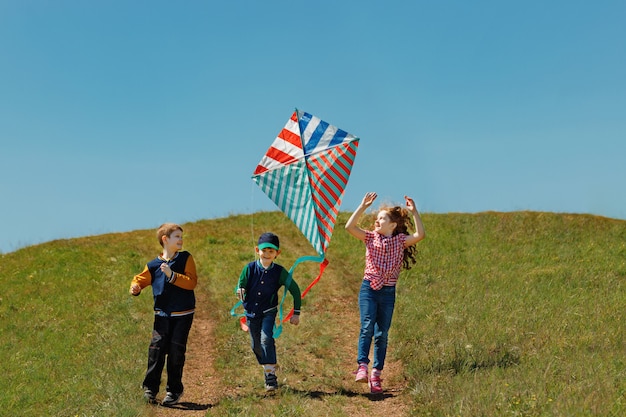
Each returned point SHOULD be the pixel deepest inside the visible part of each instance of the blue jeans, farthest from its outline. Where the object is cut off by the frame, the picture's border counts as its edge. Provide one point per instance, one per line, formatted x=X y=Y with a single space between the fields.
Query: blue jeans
x=261 y=331
x=376 y=309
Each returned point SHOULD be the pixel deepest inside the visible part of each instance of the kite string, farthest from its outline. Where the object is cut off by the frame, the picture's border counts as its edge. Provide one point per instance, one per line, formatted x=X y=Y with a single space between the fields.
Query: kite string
x=252 y=218
x=233 y=312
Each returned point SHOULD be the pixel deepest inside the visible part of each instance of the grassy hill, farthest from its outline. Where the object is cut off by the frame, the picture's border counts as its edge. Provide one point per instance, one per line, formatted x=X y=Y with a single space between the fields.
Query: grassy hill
x=518 y=314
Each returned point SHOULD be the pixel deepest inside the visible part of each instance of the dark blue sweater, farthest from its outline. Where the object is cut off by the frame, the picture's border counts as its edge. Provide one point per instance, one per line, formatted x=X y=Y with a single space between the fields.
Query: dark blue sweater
x=170 y=299
x=262 y=287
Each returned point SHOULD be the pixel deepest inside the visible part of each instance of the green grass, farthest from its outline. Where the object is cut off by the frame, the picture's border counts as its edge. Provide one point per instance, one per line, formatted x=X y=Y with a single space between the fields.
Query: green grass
x=516 y=314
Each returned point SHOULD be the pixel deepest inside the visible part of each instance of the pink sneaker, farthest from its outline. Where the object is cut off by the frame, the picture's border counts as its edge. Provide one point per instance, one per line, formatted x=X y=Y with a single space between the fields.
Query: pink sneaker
x=361 y=373
x=376 y=386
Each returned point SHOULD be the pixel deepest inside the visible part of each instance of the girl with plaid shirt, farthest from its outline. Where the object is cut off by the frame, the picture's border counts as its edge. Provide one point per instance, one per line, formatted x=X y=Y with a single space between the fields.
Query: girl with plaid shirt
x=388 y=248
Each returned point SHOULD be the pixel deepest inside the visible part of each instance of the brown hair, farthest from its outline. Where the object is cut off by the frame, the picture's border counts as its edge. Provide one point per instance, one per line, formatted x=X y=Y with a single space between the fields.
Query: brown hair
x=166 y=229
x=402 y=218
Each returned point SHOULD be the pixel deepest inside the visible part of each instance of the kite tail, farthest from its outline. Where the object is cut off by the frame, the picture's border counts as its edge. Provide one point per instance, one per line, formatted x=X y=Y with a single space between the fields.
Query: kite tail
x=278 y=329
x=242 y=316
x=323 y=262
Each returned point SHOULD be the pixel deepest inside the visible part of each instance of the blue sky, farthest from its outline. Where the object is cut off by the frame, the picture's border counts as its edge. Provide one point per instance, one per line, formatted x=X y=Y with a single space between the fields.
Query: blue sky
x=121 y=115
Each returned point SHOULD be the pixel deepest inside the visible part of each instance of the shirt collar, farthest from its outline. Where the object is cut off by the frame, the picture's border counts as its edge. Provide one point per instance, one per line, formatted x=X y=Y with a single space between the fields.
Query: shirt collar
x=258 y=261
x=168 y=260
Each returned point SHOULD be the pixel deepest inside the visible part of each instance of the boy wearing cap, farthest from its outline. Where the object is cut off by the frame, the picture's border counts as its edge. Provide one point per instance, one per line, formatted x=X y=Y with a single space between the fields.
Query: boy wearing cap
x=258 y=287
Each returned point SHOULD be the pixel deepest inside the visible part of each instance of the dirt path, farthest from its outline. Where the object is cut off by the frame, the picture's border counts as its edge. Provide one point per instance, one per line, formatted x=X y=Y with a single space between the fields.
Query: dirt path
x=202 y=385
x=199 y=377
x=393 y=401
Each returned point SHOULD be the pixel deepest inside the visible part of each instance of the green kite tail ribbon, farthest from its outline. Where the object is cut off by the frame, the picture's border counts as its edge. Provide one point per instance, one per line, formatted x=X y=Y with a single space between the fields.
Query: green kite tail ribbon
x=278 y=329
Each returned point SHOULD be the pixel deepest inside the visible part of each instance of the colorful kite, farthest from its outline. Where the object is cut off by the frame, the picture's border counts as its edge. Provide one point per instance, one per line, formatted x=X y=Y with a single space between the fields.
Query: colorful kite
x=305 y=172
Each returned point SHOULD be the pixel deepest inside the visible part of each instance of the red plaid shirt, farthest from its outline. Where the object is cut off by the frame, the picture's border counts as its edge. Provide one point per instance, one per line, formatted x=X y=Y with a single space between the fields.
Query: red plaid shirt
x=383 y=258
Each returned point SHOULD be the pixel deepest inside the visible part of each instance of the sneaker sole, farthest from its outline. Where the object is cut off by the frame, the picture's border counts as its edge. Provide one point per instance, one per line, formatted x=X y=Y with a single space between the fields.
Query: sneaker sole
x=375 y=390
x=169 y=403
x=150 y=398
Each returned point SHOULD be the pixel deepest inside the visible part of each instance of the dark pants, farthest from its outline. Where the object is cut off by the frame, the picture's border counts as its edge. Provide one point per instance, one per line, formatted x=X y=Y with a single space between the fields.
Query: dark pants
x=261 y=331
x=169 y=339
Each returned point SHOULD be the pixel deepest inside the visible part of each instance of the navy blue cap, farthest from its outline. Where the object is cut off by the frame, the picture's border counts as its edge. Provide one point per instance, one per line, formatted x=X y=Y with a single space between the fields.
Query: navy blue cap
x=268 y=240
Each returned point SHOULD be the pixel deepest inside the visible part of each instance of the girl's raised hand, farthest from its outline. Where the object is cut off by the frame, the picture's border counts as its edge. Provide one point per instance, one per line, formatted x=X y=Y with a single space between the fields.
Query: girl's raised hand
x=410 y=204
x=369 y=199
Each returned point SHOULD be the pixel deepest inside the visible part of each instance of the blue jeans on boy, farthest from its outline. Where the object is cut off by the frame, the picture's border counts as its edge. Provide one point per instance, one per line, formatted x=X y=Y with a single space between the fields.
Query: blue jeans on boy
x=376 y=310
x=261 y=331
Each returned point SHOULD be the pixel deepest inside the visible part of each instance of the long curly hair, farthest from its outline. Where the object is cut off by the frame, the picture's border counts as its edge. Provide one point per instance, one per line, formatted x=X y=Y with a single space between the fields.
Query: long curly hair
x=402 y=218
